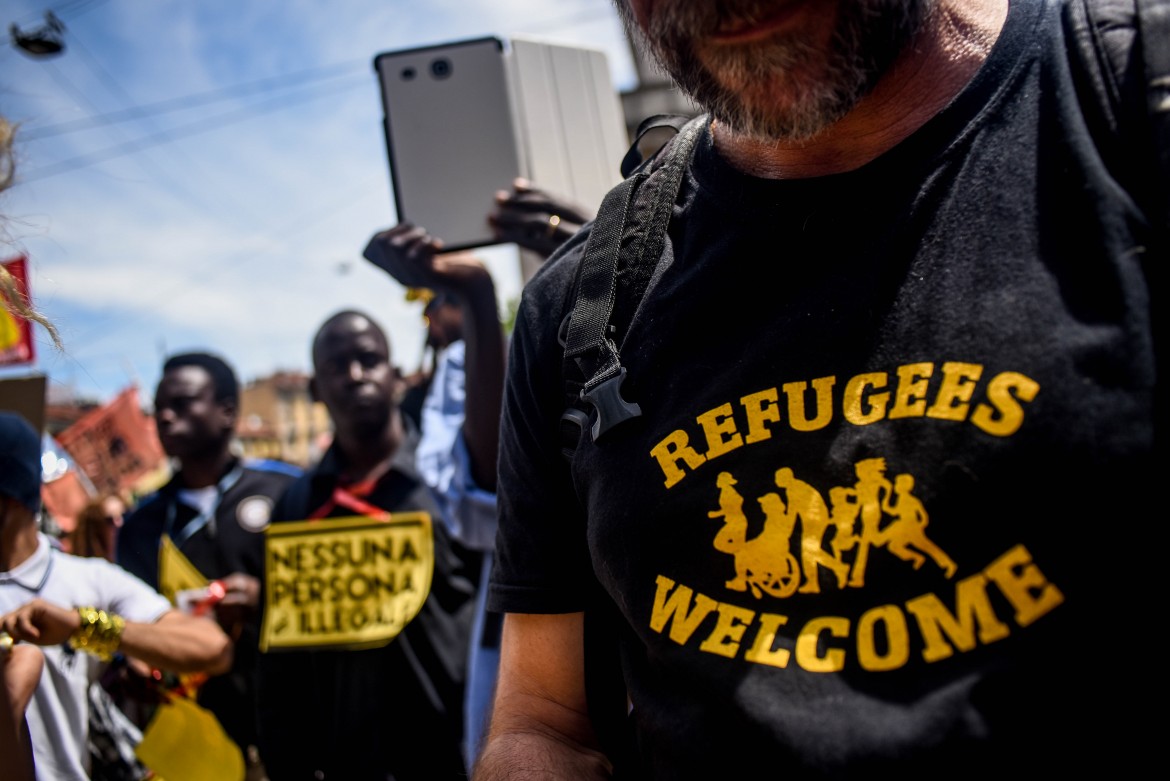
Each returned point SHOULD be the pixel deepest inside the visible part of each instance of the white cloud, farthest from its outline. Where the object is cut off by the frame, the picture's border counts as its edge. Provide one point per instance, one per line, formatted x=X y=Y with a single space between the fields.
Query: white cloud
x=236 y=225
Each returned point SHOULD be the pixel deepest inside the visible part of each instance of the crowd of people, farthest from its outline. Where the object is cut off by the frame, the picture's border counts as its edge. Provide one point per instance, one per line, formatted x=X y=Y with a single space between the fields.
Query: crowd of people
x=317 y=710
x=802 y=457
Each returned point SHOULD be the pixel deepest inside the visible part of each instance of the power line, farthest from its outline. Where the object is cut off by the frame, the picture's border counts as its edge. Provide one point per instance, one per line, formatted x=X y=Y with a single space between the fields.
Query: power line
x=155 y=139
x=293 y=80
x=289 y=80
x=181 y=186
x=295 y=225
x=81 y=6
x=65 y=9
x=293 y=88
x=144 y=160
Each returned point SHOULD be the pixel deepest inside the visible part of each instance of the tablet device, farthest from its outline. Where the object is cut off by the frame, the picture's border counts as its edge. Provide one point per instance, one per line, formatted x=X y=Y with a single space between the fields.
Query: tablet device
x=450 y=136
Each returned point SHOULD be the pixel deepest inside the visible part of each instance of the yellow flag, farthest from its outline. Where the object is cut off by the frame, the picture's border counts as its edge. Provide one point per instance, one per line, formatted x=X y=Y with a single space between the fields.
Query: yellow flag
x=175 y=571
x=9 y=330
x=184 y=742
x=176 y=574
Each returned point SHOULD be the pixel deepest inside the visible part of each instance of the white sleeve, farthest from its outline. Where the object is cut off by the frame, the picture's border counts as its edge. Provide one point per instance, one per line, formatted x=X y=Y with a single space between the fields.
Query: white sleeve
x=128 y=596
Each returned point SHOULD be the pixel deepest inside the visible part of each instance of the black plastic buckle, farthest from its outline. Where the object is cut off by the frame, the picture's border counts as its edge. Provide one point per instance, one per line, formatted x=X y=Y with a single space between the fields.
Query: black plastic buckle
x=611 y=408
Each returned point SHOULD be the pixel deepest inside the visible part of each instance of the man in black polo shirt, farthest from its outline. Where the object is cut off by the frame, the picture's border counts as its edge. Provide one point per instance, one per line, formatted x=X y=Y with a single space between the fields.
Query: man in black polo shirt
x=214 y=510
x=390 y=709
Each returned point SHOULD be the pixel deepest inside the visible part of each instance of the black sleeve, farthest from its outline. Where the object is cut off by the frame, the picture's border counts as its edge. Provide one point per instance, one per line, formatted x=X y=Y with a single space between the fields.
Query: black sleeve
x=541 y=558
x=136 y=550
x=286 y=736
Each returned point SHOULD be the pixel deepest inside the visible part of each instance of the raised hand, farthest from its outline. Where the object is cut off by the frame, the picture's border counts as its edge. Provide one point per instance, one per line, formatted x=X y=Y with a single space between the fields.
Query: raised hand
x=536 y=219
x=415 y=258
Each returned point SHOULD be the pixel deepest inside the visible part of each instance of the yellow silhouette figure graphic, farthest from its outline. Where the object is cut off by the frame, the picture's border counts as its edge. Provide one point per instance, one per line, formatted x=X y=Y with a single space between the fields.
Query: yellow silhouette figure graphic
x=873 y=512
x=732 y=534
x=871 y=491
x=807 y=504
x=909 y=528
x=763 y=564
x=843 y=512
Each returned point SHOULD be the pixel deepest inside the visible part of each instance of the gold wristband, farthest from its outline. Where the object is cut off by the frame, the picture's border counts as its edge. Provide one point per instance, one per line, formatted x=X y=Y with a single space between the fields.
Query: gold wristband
x=100 y=633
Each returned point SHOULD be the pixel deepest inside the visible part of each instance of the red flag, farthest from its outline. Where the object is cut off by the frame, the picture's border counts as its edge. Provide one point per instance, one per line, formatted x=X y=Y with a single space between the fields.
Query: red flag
x=115 y=445
x=16 y=343
x=64 y=499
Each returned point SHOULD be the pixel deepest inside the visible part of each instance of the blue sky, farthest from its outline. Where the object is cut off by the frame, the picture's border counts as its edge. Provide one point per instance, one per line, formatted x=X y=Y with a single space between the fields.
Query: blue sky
x=205 y=174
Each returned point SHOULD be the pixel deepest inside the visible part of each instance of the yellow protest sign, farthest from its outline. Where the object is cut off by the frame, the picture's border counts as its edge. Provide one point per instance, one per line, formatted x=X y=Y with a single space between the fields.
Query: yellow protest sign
x=185 y=742
x=175 y=571
x=351 y=582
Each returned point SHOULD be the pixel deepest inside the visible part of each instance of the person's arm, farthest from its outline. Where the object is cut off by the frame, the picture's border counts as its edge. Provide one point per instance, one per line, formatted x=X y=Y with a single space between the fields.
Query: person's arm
x=20 y=671
x=485 y=377
x=175 y=642
x=412 y=256
x=540 y=725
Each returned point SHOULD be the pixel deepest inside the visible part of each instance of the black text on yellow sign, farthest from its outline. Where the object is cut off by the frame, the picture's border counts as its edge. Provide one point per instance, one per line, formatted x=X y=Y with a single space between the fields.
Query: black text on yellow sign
x=345 y=582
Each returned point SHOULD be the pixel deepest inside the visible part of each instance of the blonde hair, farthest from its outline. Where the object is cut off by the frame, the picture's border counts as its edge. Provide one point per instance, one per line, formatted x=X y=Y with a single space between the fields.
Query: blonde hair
x=7 y=160
x=10 y=296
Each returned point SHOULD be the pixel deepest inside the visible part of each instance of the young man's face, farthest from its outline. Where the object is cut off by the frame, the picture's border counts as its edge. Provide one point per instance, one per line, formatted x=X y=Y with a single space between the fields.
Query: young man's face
x=354 y=378
x=191 y=423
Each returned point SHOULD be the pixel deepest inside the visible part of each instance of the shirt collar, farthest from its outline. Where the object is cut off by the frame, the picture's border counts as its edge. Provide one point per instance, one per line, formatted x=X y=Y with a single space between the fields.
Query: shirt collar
x=175 y=484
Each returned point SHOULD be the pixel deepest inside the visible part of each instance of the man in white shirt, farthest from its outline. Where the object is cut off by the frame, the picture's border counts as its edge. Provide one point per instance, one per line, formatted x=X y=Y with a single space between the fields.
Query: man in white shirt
x=81 y=611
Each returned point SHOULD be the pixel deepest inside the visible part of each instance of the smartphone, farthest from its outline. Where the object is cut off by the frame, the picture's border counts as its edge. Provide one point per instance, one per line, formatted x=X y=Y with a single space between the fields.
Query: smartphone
x=450 y=136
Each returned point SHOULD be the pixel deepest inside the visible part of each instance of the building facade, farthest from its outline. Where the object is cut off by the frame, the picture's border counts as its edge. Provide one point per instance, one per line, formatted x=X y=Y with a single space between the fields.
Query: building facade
x=279 y=420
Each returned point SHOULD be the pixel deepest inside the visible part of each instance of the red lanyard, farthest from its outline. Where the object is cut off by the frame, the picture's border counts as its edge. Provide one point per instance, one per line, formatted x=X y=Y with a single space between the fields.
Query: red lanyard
x=353 y=498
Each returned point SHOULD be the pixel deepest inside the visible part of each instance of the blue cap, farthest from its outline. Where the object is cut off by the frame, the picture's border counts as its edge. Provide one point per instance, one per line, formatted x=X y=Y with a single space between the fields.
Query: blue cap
x=20 y=461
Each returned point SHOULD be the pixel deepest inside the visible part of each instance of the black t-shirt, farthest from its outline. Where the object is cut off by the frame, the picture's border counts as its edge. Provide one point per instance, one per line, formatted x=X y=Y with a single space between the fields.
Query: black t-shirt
x=894 y=423
x=390 y=712
x=230 y=539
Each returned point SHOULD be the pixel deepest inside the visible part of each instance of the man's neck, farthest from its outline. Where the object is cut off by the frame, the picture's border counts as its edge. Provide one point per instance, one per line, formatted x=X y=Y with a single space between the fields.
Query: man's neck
x=18 y=542
x=955 y=41
x=365 y=455
x=204 y=472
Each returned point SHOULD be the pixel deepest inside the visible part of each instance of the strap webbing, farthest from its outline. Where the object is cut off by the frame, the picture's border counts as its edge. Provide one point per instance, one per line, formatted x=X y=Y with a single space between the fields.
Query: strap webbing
x=595 y=295
x=589 y=340
x=1153 y=20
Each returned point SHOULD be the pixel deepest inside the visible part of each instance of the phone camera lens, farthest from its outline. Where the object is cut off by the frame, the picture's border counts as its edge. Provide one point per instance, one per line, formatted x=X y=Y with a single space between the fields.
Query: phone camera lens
x=441 y=68
x=408 y=74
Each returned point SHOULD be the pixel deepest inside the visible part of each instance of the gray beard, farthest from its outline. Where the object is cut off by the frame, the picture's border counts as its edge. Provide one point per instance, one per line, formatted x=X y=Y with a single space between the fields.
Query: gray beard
x=868 y=37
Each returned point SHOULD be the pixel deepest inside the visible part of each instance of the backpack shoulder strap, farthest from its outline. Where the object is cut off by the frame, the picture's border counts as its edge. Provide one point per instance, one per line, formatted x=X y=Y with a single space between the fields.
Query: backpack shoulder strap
x=1153 y=22
x=652 y=135
x=1121 y=60
x=1122 y=53
x=588 y=334
x=610 y=274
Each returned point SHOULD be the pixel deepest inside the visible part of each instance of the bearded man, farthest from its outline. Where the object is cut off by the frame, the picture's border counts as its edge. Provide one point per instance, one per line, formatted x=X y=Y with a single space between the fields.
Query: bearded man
x=907 y=235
